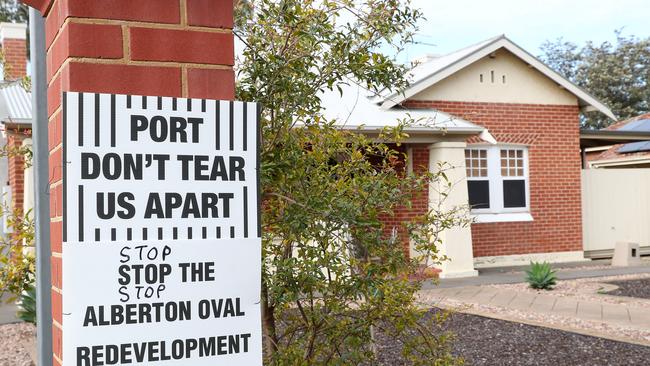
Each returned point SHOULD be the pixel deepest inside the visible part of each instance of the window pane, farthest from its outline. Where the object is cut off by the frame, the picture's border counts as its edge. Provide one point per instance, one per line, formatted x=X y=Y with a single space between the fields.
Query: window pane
x=476 y=162
x=514 y=193
x=479 y=193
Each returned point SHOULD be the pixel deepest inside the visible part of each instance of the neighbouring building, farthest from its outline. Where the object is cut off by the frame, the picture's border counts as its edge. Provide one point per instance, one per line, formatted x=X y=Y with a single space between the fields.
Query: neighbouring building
x=520 y=165
x=635 y=154
x=16 y=118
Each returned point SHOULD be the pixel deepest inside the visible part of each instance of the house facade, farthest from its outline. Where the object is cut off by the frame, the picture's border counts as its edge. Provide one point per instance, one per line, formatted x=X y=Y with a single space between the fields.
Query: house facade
x=523 y=183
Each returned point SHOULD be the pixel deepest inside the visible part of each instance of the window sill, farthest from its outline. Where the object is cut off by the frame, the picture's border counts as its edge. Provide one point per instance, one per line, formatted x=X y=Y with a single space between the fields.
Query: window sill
x=502 y=217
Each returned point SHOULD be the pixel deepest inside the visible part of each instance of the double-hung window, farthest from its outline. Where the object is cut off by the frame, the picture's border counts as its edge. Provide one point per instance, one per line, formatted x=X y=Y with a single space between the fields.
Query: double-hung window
x=497 y=182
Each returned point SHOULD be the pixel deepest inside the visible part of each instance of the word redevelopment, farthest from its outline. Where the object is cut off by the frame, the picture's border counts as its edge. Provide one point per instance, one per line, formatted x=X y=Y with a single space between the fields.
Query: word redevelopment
x=161 y=234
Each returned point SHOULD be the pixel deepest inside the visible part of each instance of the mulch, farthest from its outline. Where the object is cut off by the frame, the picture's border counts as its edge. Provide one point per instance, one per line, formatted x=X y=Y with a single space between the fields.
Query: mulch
x=632 y=288
x=485 y=341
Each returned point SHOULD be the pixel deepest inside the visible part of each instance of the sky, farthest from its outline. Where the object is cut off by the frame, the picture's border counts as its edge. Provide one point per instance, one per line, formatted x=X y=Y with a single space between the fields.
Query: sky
x=454 y=24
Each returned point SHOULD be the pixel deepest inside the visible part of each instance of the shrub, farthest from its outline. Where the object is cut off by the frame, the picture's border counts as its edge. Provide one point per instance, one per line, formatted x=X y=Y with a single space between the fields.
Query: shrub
x=541 y=276
x=27 y=305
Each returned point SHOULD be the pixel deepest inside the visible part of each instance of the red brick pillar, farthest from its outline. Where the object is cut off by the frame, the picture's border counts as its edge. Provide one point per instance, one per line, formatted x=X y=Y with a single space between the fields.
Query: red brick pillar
x=178 y=48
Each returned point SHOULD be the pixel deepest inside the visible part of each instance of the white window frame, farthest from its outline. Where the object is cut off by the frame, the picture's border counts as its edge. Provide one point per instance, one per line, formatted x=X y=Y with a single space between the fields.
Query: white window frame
x=497 y=212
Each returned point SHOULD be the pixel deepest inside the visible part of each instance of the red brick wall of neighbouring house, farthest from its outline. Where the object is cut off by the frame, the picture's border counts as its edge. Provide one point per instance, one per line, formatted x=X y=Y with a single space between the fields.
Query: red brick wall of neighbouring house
x=16 y=166
x=176 y=48
x=552 y=135
x=15 y=53
x=419 y=201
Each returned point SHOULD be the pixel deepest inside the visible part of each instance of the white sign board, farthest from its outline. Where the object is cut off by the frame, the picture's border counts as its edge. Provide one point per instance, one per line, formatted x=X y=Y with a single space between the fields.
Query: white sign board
x=161 y=252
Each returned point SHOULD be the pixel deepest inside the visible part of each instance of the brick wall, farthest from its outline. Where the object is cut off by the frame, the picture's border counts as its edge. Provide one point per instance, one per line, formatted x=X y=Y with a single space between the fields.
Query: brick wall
x=15 y=53
x=16 y=167
x=419 y=201
x=177 y=48
x=552 y=135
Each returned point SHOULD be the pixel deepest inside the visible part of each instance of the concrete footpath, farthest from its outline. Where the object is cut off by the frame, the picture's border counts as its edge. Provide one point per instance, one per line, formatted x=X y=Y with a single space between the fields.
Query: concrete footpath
x=607 y=319
x=544 y=304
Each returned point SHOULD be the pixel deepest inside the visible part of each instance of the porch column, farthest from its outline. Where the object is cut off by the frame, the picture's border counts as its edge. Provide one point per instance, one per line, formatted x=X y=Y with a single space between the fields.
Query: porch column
x=456 y=241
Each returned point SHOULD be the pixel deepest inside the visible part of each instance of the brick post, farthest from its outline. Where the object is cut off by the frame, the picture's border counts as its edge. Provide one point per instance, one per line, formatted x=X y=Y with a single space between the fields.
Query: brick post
x=178 y=48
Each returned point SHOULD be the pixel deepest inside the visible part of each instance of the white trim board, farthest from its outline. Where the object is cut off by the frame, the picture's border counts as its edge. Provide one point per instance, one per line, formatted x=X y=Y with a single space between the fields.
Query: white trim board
x=525 y=259
x=589 y=102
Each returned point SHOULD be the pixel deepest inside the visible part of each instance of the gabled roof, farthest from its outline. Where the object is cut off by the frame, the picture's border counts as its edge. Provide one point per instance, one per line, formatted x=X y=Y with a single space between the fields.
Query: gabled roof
x=430 y=72
x=353 y=108
x=15 y=103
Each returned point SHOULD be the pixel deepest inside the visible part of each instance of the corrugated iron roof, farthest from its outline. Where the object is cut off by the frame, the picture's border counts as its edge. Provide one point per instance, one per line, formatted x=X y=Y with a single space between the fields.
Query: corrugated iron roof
x=18 y=102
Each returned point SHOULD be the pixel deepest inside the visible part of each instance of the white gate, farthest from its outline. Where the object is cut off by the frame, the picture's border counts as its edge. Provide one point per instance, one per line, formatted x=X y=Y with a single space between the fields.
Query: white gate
x=615 y=207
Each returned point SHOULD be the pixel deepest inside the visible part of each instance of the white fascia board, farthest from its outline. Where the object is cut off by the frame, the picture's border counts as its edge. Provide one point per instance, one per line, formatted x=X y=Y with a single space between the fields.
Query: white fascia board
x=449 y=70
x=559 y=79
x=502 y=42
x=632 y=160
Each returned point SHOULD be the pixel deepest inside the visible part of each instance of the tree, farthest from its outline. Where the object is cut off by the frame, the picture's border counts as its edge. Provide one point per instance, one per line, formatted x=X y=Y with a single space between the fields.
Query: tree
x=333 y=275
x=13 y=11
x=618 y=74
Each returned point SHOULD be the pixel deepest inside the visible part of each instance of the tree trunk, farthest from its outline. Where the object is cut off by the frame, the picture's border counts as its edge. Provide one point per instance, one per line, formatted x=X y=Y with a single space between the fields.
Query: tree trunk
x=268 y=325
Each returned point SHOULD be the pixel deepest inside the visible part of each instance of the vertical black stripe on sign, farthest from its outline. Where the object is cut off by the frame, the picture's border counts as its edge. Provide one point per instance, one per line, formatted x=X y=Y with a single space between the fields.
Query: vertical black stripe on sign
x=113 y=234
x=232 y=125
x=97 y=122
x=144 y=233
x=159 y=103
x=112 y=120
x=218 y=232
x=245 y=212
x=174 y=104
x=129 y=234
x=81 y=213
x=258 y=134
x=189 y=233
x=205 y=232
x=80 y=118
x=144 y=102
x=232 y=232
x=128 y=101
x=64 y=165
x=189 y=104
x=175 y=233
x=203 y=105
x=245 y=127
x=217 y=127
x=160 y=233
x=98 y=234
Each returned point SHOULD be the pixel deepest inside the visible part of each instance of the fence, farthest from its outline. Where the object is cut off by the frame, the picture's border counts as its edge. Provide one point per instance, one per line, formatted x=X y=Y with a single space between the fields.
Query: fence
x=615 y=207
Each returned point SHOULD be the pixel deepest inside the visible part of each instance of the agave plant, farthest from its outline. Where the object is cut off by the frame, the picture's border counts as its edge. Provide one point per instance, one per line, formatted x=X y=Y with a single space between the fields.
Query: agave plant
x=27 y=305
x=541 y=276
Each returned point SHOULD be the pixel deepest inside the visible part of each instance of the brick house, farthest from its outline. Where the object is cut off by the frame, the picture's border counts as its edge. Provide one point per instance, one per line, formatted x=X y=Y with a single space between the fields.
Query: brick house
x=16 y=118
x=520 y=174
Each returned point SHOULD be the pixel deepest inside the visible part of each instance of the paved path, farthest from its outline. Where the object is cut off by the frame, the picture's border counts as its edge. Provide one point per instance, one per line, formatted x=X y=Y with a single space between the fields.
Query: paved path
x=515 y=275
x=543 y=305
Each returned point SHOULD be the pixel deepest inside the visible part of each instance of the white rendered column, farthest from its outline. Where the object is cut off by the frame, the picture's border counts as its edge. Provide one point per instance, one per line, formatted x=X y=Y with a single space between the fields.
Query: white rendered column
x=456 y=241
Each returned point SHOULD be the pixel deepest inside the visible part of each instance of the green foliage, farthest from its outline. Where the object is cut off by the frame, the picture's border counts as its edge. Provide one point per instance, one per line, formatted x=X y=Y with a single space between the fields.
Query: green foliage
x=617 y=74
x=27 y=305
x=541 y=276
x=17 y=265
x=13 y=11
x=333 y=274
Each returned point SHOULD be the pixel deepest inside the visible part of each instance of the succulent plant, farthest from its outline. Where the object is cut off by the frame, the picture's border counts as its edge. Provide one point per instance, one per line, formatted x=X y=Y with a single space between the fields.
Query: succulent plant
x=541 y=276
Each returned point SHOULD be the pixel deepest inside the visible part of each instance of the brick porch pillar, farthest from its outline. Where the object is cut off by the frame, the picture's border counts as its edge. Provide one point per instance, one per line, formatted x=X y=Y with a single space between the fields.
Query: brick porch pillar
x=178 y=48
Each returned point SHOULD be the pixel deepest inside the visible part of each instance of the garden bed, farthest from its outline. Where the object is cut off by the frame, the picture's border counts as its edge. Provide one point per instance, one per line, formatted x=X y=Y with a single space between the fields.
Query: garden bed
x=486 y=341
x=479 y=340
x=639 y=288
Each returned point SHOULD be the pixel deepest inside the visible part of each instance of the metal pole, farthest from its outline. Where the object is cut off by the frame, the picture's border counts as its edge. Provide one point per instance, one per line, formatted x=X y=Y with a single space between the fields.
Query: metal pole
x=41 y=188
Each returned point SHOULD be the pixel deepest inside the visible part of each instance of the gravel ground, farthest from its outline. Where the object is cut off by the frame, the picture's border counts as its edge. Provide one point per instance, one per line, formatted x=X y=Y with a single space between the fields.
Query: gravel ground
x=485 y=341
x=479 y=340
x=639 y=288
x=12 y=336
